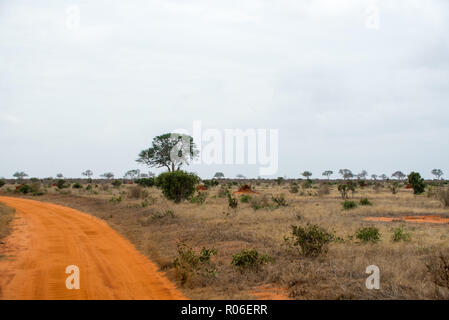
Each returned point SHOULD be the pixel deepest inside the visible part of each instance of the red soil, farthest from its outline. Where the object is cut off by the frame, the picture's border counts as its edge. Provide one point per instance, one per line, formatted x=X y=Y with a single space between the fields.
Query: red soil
x=245 y=189
x=417 y=219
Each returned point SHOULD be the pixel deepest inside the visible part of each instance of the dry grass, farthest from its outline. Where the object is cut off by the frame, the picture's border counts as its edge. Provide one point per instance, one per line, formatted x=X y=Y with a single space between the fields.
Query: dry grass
x=337 y=274
x=6 y=216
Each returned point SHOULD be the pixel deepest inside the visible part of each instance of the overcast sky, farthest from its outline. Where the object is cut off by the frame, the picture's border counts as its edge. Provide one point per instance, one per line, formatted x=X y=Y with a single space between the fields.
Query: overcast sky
x=343 y=91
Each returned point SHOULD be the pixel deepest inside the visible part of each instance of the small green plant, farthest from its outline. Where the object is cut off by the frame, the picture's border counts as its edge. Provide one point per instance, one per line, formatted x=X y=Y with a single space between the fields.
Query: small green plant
x=294 y=188
x=348 y=205
x=368 y=234
x=199 y=198
x=163 y=214
x=250 y=258
x=245 y=198
x=365 y=202
x=399 y=234
x=115 y=200
x=279 y=201
x=188 y=264
x=232 y=201
x=311 y=240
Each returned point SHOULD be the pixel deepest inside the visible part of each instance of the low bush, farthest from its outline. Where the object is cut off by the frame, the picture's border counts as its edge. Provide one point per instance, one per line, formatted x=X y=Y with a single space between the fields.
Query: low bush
x=116 y=183
x=310 y=240
x=199 y=198
x=399 y=234
x=178 y=185
x=25 y=189
x=145 y=182
x=61 y=184
x=279 y=201
x=344 y=189
x=250 y=258
x=77 y=186
x=245 y=198
x=115 y=200
x=365 y=202
x=2 y=183
x=294 y=188
x=368 y=234
x=348 y=205
x=232 y=201
x=189 y=264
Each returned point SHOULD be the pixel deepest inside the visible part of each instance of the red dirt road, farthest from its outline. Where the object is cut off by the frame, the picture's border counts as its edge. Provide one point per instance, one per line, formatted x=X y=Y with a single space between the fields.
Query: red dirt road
x=47 y=238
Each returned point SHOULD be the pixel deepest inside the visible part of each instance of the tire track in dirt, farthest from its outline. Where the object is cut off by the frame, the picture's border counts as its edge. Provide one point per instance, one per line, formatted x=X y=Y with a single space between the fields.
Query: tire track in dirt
x=47 y=238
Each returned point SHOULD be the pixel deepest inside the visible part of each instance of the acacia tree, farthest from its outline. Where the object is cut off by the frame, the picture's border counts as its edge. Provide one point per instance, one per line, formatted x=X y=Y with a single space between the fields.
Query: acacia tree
x=346 y=174
x=362 y=175
x=20 y=175
x=59 y=176
x=88 y=173
x=219 y=175
x=328 y=173
x=374 y=176
x=107 y=175
x=170 y=150
x=383 y=176
x=307 y=174
x=438 y=173
x=132 y=174
x=240 y=176
x=398 y=175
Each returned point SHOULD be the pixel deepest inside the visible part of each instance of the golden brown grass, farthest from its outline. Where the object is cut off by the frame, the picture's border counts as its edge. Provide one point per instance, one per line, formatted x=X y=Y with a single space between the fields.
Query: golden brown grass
x=6 y=216
x=337 y=274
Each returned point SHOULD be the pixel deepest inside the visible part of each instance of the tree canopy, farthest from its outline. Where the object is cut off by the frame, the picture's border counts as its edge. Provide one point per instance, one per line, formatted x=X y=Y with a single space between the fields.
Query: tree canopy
x=170 y=150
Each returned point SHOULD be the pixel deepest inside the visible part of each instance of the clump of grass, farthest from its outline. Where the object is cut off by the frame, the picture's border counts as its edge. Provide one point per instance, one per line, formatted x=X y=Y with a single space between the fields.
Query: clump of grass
x=260 y=203
x=6 y=216
x=365 y=202
x=232 y=201
x=438 y=269
x=348 y=205
x=368 y=234
x=279 y=201
x=399 y=234
x=115 y=200
x=250 y=259
x=443 y=196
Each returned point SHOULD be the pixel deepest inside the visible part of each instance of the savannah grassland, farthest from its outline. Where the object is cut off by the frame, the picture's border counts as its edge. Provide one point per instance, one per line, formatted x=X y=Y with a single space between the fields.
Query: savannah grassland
x=155 y=226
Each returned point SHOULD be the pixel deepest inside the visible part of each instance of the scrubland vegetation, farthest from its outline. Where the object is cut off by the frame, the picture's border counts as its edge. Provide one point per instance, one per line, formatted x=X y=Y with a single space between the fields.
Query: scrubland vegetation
x=306 y=237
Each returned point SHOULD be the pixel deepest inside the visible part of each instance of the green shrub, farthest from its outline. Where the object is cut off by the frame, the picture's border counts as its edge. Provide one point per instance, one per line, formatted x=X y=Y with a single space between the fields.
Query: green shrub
x=177 y=185
x=199 y=198
x=117 y=183
x=307 y=184
x=188 y=264
x=348 y=205
x=77 y=186
x=417 y=182
x=260 y=203
x=245 y=198
x=232 y=201
x=2 y=183
x=61 y=184
x=210 y=183
x=399 y=234
x=310 y=240
x=25 y=189
x=279 y=201
x=365 y=202
x=115 y=200
x=250 y=258
x=145 y=182
x=294 y=188
x=368 y=234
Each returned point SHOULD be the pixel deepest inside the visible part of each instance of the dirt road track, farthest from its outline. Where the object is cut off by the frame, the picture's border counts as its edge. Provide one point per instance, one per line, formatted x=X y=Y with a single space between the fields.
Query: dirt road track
x=47 y=238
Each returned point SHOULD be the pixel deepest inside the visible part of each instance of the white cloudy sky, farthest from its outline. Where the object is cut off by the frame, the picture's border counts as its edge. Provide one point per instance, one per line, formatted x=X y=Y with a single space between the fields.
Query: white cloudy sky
x=342 y=95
